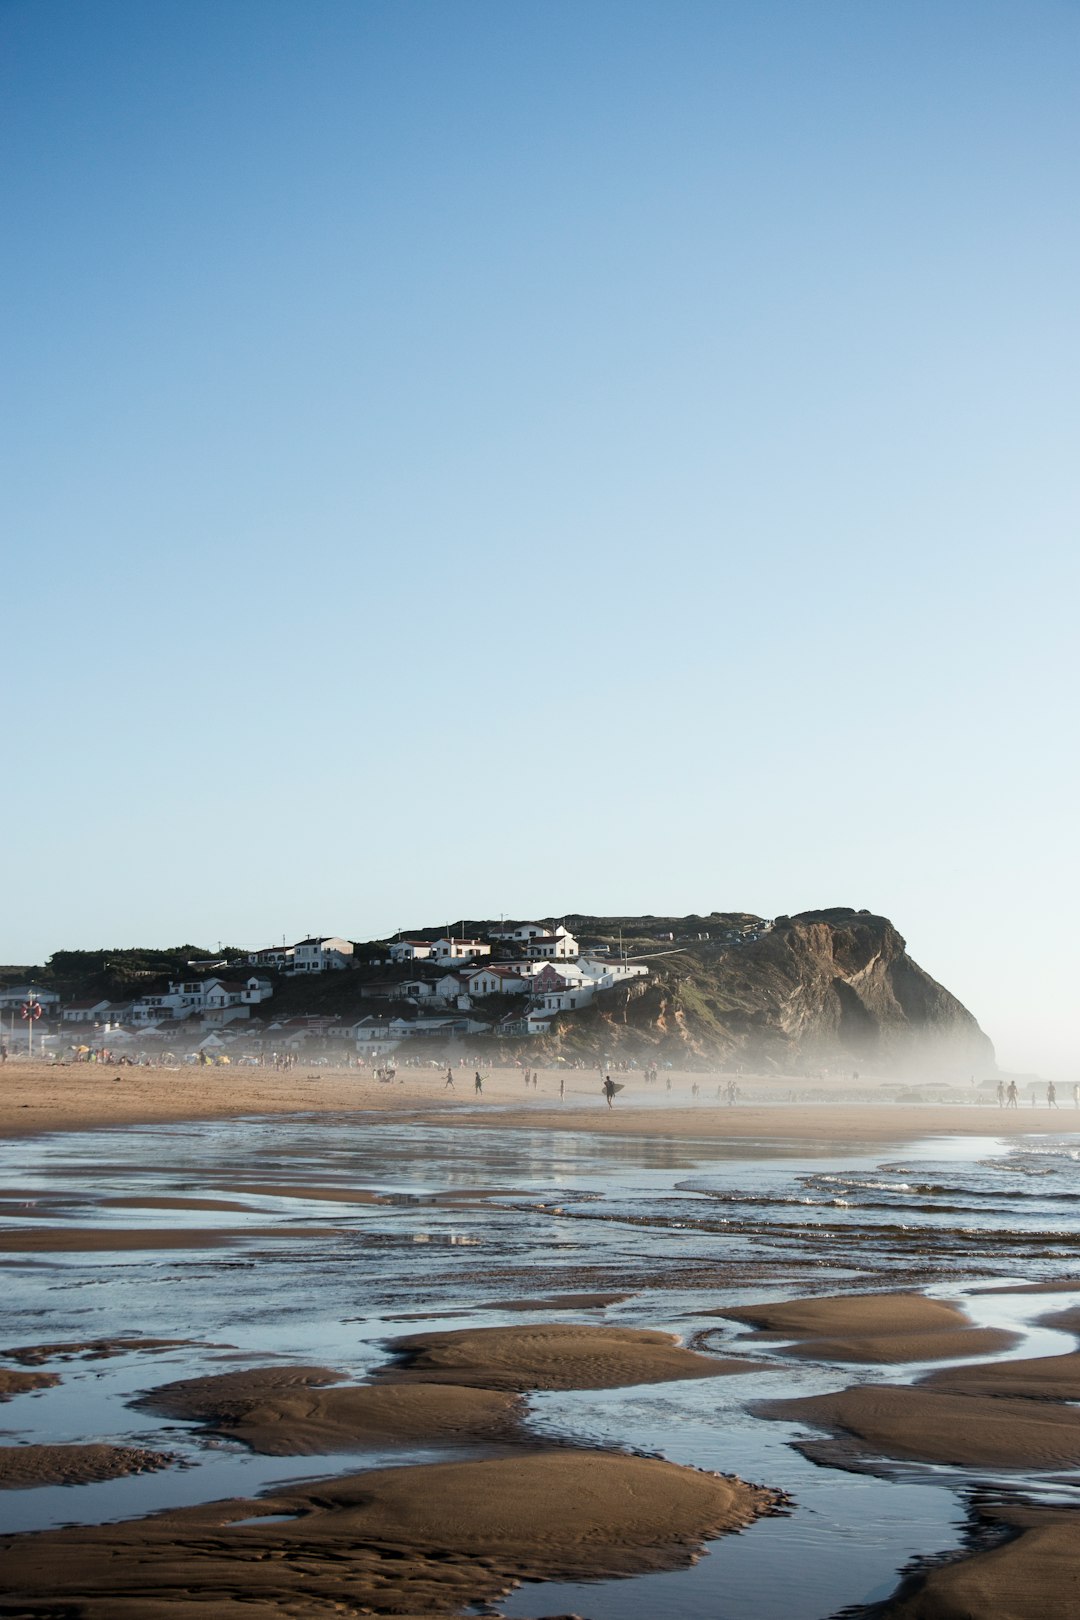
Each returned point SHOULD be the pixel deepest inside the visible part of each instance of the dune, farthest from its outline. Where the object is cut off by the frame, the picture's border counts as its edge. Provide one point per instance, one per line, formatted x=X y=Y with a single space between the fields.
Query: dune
x=23 y=1467
x=290 y=1411
x=871 y=1328
x=921 y=1425
x=552 y=1355
x=424 y=1540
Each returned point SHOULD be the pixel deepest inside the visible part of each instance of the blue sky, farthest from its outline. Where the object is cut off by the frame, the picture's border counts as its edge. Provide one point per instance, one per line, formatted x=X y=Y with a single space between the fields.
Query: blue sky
x=482 y=457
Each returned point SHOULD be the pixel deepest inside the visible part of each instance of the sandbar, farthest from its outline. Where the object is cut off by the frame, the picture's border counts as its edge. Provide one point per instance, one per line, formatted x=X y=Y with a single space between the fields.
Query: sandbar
x=921 y=1425
x=36 y=1355
x=292 y=1411
x=20 y=1383
x=1045 y=1378
x=1035 y=1575
x=24 y=1467
x=422 y=1540
x=99 y=1239
x=552 y=1355
x=871 y=1328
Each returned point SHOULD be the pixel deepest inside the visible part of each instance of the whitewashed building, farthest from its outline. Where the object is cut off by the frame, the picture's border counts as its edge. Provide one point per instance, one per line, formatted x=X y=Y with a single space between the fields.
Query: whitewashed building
x=521 y=933
x=559 y=946
x=323 y=954
x=86 y=1012
x=274 y=956
x=459 y=950
x=496 y=979
x=410 y=950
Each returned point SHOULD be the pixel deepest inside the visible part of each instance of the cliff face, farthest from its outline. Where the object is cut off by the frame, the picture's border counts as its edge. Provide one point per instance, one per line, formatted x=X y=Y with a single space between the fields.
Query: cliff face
x=824 y=989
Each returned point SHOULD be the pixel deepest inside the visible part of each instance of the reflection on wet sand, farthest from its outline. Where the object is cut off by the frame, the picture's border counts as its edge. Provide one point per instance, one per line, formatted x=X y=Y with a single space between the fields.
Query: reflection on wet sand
x=618 y=1247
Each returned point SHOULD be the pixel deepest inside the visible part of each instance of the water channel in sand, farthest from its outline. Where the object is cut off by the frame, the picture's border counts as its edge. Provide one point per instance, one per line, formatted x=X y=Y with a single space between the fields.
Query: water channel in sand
x=402 y=1226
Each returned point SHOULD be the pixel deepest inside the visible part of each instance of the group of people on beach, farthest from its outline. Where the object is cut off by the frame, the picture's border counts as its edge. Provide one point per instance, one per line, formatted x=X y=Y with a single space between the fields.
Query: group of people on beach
x=1008 y=1096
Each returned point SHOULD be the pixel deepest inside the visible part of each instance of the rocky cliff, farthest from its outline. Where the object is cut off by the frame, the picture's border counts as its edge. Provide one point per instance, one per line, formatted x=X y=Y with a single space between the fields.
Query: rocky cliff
x=826 y=989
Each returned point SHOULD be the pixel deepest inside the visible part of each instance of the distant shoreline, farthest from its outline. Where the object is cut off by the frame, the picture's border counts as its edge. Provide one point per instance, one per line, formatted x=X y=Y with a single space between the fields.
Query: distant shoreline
x=39 y=1098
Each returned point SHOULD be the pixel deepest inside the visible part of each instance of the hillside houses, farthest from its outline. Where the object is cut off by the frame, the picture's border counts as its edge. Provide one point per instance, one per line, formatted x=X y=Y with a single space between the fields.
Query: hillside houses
x=472 y=979
x=321 y=954
x=213 y=1001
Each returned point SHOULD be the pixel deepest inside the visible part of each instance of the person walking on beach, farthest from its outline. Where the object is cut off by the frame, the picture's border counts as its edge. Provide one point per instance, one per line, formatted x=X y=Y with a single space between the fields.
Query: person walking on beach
x=609 y=1088
x=1051 y=1094
x=1010 y=1095
x=562 y=1087
x=449 y=1079
x=1001 y=1093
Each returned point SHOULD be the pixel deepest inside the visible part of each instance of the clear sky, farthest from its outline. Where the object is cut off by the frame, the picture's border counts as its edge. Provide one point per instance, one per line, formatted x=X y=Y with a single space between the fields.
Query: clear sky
x=480 y=456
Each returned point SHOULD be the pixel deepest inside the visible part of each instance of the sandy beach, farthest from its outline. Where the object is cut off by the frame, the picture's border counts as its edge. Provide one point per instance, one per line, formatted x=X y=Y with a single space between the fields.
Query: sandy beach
x=582 y=1286
x=75 y=1097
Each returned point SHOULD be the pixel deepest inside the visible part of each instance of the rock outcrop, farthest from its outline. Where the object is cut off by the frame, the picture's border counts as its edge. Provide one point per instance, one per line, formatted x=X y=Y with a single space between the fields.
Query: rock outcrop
x=818 y=990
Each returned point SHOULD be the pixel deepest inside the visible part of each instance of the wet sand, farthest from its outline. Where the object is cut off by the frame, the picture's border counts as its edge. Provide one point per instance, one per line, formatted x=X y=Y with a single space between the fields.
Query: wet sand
x=917 y=1424
x=1041 y=1378
x=36 y=1355
x=422 y=1540
x=20 y=1383
x=552 y=1356
x=24 y=1467
x=43 y=1097
x=871 y=1328
x=94 y=1239
x=417 y=1552
x=290 y=1411
x=1035 y=1575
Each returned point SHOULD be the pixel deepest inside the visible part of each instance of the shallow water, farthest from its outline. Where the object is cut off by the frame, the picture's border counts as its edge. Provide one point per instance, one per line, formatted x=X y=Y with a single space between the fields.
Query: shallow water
x=680 y=1227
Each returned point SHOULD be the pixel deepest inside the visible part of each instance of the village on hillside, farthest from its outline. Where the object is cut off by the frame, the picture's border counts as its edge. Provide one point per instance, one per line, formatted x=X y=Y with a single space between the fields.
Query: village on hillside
x=512 y=982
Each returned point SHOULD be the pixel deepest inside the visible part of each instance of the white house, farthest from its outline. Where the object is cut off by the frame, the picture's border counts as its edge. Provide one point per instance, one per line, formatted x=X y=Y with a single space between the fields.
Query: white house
x=569 y=1000
x=420 y=989
x=321 y=954
x=450 y=987
x=227 y=1013
x=547 y=978
x=86 y=1012
x=220 y=993
x=410 y=950
x=172 y=1005
x=533 y=1021
x=459 y=950
x=192 y=998
x=495 y=979
x=274 y=956
x=558 y=946
x=15 y=996
x=521 y=933
x=257 y=989
x=606 y=973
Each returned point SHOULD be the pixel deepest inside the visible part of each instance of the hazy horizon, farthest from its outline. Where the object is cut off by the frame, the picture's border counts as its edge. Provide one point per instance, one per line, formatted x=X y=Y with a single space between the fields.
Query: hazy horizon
x=465 y=457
